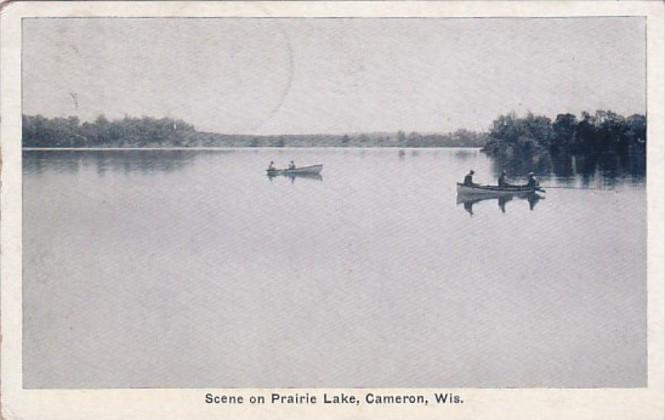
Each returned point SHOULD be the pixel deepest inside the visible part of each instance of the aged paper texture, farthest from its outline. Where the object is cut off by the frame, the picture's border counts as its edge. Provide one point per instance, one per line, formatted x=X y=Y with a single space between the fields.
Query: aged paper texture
x=332 y=210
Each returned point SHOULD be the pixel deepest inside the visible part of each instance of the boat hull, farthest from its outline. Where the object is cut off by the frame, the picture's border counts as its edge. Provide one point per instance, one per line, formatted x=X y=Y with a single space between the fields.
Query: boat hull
x=493 y=191
x=304 y=170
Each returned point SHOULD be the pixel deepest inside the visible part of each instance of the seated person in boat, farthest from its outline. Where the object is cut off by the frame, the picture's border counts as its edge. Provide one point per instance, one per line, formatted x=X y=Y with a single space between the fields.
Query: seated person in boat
x=468 y=179
x=271 y=167
x=532 y=182
x=502 y=180
x=292 y=165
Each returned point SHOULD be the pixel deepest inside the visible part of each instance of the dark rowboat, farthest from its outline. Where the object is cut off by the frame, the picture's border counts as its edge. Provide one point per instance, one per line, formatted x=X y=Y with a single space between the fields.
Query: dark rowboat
x=493 y=190
x=303 y=170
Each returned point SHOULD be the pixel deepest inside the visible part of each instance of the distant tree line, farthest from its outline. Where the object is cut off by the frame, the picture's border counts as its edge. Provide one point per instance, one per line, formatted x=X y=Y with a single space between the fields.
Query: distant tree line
x=39 y=131
x=602 y=132
x=509 y=135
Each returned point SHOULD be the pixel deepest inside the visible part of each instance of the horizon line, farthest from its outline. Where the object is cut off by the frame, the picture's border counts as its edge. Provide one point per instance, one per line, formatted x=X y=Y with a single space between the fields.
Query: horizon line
x=36 y=149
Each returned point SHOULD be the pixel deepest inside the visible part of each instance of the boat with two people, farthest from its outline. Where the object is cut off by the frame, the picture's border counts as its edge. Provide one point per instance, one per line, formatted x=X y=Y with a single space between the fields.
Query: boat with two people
x=309 y=171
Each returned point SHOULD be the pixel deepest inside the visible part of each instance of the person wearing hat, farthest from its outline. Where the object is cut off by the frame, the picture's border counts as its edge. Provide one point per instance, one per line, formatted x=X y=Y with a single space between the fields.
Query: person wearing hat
x=468 y=179
x=502 y=180
x=532 y=182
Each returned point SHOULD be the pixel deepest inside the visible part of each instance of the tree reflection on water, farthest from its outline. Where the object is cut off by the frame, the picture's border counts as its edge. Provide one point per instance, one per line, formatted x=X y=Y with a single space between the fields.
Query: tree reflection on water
x=127 y=161
x=608 y=166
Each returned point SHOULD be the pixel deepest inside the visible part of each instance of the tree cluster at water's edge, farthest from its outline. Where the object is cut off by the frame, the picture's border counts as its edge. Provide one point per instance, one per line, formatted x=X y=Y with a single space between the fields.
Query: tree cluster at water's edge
x=603 y=141
x=602 y=132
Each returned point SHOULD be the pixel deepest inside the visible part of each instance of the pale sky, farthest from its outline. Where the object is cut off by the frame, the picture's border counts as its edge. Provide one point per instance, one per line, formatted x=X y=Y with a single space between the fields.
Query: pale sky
x=277 y=76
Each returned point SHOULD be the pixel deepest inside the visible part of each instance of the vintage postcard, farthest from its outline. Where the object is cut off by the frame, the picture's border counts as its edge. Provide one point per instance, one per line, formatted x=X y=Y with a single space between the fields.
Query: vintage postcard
x=332 y=210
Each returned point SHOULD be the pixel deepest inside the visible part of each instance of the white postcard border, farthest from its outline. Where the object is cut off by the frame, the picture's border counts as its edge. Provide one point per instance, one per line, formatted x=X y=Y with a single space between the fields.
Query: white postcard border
x=578 y=404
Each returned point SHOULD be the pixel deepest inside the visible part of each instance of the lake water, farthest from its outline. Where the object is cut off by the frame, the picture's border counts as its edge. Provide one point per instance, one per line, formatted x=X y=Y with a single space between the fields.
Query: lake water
x=194 y=269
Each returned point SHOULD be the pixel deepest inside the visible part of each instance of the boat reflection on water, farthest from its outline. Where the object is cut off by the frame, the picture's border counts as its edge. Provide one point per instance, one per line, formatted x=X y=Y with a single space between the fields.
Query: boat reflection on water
x=469 y=200
x=293 y=176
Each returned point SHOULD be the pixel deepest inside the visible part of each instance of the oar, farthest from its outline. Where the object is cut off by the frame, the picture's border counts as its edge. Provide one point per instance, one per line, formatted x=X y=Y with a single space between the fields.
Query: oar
x=578 y=188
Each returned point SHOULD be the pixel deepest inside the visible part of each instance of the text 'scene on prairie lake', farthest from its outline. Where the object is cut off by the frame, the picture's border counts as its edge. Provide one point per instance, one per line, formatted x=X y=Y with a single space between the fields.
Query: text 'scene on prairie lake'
x=342 y=398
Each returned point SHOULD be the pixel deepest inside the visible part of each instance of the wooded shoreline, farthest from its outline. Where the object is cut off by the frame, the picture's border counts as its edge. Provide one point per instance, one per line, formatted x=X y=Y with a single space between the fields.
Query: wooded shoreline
x=42 y=132
x=509 y=136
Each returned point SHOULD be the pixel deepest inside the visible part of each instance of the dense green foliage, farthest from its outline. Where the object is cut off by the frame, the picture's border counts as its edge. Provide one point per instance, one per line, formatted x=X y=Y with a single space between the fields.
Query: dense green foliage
x=603 y=132
x=39 y=131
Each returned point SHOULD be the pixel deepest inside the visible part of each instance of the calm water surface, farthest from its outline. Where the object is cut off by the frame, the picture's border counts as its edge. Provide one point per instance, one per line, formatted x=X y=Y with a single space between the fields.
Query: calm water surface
x=193 y=269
